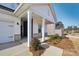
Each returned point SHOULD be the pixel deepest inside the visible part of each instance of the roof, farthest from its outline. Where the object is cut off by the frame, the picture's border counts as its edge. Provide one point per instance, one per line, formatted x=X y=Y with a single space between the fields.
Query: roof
x=6 y=8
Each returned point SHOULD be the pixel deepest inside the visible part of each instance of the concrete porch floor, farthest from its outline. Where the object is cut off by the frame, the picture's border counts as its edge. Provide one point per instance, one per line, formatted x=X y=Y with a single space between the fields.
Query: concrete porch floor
x=18 y=48
x=12 y=44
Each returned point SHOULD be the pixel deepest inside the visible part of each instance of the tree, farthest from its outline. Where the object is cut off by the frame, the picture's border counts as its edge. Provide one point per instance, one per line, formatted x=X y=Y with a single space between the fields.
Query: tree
x=59 y=25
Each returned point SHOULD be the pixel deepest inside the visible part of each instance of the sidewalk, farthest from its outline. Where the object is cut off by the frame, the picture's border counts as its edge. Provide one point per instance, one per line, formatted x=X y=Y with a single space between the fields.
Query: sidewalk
x=53 y=51
x=71 y=36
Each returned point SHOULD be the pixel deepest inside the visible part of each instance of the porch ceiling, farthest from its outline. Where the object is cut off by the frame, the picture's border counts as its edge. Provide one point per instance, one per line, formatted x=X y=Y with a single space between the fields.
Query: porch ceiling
x=38 y=19
x=21 y=10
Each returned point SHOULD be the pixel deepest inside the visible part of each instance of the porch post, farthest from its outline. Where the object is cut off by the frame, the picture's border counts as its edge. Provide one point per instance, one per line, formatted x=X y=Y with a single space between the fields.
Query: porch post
x=29 y=31
x=43 y=29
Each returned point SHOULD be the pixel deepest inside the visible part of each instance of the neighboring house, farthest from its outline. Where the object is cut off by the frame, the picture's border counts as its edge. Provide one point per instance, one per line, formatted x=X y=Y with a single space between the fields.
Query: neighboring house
x=59 y=26
x=26 y=20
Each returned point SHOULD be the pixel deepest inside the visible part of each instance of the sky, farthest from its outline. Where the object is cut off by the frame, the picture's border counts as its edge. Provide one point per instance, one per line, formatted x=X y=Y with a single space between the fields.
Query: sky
x=68 y=13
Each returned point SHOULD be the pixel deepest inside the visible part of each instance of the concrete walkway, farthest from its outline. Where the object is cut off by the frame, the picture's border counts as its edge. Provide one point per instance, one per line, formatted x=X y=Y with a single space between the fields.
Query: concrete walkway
x=53 y=51
x=20 y=50
x=71 y=36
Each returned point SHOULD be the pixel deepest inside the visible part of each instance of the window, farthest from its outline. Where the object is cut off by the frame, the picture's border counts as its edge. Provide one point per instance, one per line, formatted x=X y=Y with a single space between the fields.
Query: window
x=39 y=28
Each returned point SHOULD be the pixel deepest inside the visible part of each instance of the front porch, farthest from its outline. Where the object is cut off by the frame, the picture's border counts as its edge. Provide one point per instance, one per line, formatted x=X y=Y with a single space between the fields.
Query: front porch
x=32 y=19
x=39 y=14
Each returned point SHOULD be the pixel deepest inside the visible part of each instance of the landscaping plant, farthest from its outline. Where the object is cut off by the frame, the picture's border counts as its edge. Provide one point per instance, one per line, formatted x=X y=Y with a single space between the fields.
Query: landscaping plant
x=35 y=44
x=55 y=39
x=36 y=47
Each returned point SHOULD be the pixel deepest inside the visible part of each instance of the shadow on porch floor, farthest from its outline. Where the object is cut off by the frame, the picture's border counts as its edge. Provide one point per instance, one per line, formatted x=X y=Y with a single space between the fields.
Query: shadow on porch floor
x=12 y=44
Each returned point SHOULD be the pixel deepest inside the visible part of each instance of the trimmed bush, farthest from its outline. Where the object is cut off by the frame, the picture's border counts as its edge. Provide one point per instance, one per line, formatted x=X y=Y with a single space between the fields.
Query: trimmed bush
x=35 y=44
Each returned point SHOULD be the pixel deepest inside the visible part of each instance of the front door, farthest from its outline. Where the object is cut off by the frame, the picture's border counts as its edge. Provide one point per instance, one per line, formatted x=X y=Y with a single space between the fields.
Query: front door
x=25 y=28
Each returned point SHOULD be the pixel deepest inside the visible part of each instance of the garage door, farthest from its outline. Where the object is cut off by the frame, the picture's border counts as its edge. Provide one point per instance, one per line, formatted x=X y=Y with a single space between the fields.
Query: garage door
x=6 y=31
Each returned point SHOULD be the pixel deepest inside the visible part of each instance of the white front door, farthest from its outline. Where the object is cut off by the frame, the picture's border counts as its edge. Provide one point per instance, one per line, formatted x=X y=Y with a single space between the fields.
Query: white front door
x=6 y=32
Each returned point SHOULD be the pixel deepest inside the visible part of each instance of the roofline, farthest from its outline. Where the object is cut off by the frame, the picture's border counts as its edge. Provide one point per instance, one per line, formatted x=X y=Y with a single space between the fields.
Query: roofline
x=6 y=8
x=18 y=8
x=53 y=13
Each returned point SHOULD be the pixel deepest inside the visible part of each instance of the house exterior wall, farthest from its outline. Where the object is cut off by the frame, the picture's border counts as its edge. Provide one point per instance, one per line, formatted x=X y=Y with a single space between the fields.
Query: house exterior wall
x=17 y=29
x=59 y=32
x=51 y=29
x=12 y=28
x=35 y=28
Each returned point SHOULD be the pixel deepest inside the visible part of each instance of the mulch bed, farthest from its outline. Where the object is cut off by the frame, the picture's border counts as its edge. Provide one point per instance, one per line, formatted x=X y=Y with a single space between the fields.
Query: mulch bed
x=67 y=46
x=38 y=52
x=64 y=44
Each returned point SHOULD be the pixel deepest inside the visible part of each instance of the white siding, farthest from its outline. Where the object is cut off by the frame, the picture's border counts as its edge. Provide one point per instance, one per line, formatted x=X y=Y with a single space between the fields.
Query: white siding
x=6 y=31
x=9 y=25
x=59 y=32
x=51 y=29
x=35 y=28
x=17 y=27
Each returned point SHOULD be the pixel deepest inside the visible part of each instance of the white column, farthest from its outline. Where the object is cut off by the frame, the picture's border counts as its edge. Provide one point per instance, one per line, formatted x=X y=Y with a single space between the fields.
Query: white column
x=29 y=32
x=43 y=29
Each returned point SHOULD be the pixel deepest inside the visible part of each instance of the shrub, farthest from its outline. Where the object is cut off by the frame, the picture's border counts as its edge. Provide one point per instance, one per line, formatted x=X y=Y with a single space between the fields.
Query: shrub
x=35 y=44
x=55 y=39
